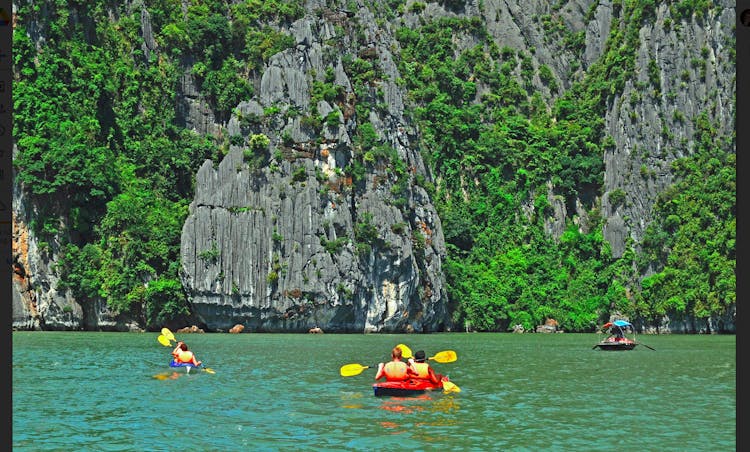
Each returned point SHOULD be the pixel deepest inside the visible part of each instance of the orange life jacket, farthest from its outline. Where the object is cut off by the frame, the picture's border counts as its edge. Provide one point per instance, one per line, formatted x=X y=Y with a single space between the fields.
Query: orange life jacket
x=395 y=370
x=423 y=370
x=184 y=357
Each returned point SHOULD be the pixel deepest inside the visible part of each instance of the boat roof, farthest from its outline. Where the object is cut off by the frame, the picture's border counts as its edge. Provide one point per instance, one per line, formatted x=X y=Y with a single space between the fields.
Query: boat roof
x=620 y=323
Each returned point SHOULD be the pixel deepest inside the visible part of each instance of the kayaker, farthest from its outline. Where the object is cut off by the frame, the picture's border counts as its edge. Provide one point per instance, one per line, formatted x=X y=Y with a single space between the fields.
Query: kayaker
x=395 y=369
x=423 y=369
x=182 y=354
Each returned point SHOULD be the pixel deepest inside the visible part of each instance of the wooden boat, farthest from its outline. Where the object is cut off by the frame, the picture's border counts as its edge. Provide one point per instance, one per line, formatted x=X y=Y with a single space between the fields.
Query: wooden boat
x=612 y=344
x=617 y=339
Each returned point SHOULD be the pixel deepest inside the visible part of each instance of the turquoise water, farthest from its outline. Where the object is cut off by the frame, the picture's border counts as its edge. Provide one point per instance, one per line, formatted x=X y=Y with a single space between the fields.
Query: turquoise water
x=526 y=392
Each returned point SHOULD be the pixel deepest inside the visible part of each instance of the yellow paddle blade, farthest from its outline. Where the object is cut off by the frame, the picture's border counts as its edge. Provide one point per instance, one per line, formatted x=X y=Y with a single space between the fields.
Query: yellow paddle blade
x=168 y=334
x=446 y=356
x=449 y=386
x=349 y=370
x=405 y=351
x=209 y=370
x=163 y=340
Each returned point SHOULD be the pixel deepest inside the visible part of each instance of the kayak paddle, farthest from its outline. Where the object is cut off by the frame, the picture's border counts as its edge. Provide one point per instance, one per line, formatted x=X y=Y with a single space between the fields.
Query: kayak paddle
x=350 y=370
x=168 y=334
x=207 y=369
x=449 y=386
x=405 y=351
x=446 y=356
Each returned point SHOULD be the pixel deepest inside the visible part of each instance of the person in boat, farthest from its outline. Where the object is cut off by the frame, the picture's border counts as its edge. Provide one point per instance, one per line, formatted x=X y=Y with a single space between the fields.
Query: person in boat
x=182 y=355
x=615 y=335
x=395 y=369
x=423 y=369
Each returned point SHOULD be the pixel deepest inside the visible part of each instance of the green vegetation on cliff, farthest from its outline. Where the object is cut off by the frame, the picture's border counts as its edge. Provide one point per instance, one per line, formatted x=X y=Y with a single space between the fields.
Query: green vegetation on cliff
x=102 y=145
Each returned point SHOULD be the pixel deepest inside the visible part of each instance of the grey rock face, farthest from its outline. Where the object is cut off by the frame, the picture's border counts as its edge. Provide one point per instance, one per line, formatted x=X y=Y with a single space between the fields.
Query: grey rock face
x=37 y=304
x=653 y=126
x=275 y=247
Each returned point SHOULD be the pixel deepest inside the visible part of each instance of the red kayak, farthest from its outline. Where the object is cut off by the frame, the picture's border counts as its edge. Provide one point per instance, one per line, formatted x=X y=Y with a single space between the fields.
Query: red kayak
x=405 y=388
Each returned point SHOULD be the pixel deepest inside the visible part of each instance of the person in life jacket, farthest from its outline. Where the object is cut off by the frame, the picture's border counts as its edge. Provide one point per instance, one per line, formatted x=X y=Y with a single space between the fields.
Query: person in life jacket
x=181 y=355
x=423 y=370
x=395 y=369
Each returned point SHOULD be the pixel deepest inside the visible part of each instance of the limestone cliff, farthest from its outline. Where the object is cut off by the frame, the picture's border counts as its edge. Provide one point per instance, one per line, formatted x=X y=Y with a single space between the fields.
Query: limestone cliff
x=295 y=244
x=279 y=239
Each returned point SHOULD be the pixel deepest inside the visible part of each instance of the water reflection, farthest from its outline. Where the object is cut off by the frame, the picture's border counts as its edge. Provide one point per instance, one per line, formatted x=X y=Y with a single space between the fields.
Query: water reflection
x=447 y=404
x=350 y=404
x=431 y=402
x=168 y=375
x=402 y=405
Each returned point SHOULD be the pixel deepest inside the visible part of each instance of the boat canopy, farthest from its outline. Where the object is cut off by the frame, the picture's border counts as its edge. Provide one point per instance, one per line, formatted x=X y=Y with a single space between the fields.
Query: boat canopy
x=620 y=323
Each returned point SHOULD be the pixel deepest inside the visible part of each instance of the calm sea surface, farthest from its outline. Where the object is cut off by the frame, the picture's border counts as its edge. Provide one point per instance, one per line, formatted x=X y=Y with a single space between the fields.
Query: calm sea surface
x=75 y=391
